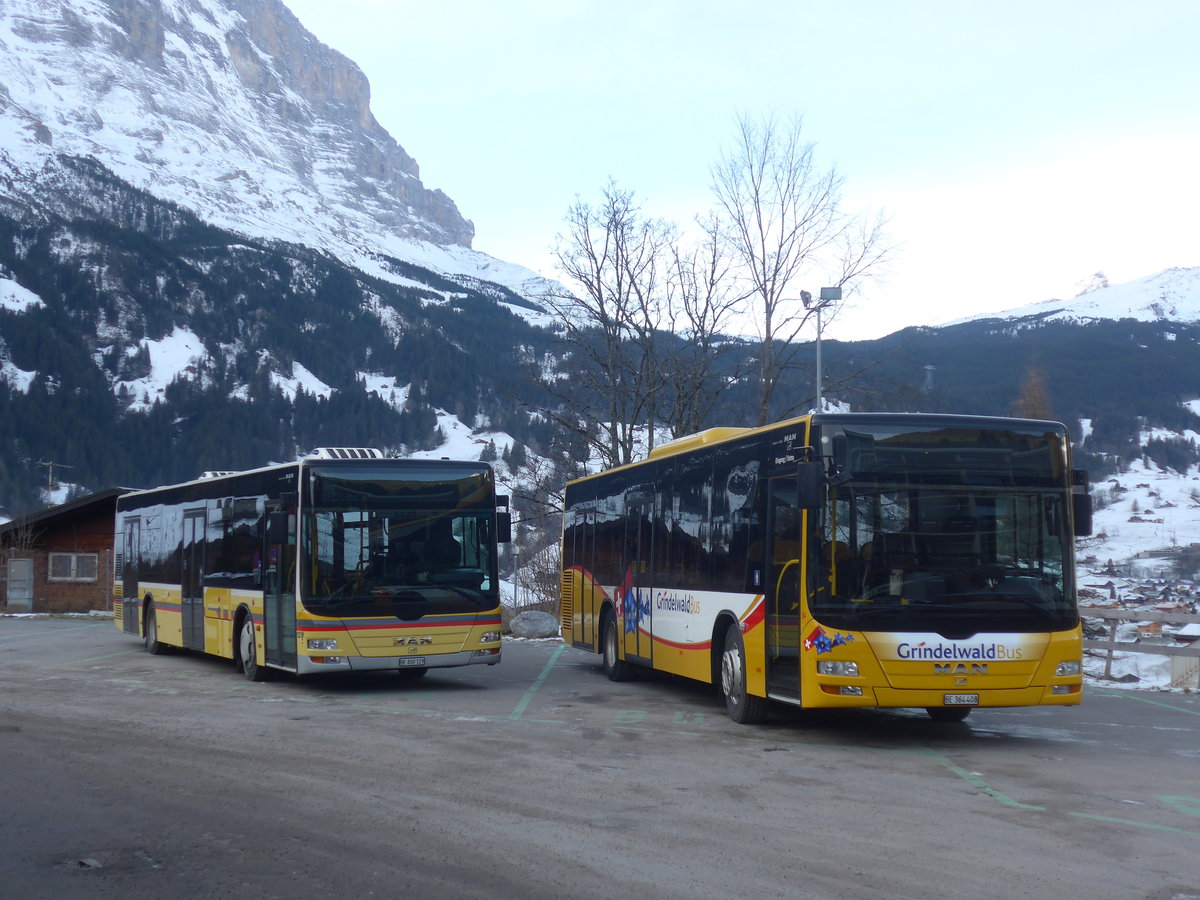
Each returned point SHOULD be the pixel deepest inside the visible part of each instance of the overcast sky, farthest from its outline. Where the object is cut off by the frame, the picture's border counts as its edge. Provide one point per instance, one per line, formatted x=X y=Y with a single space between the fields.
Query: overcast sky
x=1017 y=147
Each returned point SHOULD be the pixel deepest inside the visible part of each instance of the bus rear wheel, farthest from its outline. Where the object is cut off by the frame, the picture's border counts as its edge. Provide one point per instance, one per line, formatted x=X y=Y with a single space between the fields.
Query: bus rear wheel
x=153 y=644
x=743 y=708
x=615 y=668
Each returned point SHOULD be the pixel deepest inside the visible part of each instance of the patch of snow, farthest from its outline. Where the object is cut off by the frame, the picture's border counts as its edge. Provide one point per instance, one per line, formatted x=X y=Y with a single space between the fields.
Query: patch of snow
x=385 y=388
x=1137 y=671
x=301 y=379
x=462 y=442
x=181 y=354
x=17 y=379
x=15 y=298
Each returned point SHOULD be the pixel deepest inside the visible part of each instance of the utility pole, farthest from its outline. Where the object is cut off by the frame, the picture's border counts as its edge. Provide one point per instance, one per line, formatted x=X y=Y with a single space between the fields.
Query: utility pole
x=51 y=484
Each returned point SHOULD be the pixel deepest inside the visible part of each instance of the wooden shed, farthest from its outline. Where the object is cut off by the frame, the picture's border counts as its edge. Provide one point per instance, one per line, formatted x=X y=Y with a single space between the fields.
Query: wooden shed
x=60 y=559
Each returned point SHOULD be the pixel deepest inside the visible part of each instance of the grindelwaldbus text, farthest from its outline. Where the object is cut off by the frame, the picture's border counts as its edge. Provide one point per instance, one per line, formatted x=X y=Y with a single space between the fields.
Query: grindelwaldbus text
x=838 y=560
x=343 y=561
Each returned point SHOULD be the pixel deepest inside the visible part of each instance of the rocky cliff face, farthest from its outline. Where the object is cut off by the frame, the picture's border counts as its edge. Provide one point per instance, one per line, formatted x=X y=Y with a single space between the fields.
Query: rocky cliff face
x=226 y=107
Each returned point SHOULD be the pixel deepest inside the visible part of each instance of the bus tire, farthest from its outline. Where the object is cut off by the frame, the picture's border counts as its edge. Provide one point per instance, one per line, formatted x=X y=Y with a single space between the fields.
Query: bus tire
x=742 y=707
x=153 y=644
x=948 y=713
x=615 y=668
x=247 y=659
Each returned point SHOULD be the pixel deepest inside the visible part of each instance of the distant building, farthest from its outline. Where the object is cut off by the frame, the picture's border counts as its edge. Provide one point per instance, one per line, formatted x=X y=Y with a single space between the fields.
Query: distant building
x=60 y=559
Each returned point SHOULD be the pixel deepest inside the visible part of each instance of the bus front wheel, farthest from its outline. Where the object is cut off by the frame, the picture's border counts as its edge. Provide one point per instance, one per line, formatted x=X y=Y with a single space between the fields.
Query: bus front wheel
x=615 y=668
x=743 y=708
x=246 y=655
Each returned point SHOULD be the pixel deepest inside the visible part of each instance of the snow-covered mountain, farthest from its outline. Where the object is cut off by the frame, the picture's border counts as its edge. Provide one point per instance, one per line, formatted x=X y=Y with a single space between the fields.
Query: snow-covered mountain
x=231 y=110
x=1172 y=295
x=174 y=172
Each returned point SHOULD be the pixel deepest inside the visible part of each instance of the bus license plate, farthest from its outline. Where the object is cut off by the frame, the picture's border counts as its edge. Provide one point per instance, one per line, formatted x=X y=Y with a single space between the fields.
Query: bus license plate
x=419 y=661
x=962 y=699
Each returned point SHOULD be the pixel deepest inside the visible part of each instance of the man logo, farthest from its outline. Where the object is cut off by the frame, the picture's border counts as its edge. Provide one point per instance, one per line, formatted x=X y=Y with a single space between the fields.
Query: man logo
x=959 y=669
x=411 y=641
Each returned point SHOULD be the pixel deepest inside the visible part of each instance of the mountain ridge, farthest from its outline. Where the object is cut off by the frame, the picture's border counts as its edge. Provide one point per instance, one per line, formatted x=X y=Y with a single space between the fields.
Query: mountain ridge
x=1171 y=295
x=229 y=108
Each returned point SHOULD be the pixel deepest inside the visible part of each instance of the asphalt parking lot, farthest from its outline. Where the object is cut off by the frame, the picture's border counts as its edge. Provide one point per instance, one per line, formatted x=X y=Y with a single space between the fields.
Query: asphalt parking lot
x=127 y=775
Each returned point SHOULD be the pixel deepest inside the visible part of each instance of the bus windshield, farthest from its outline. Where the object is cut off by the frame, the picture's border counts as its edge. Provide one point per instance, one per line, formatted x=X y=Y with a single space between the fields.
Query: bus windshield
x=955 y=530
x=409 y=544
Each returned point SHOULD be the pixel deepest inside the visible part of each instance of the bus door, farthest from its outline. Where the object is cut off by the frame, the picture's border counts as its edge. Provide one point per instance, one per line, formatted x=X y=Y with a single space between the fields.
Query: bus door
x=782 y=588
x=132 y=537
x=634 y=601
x=191 y=581
x=279 y=601
x=582 y=616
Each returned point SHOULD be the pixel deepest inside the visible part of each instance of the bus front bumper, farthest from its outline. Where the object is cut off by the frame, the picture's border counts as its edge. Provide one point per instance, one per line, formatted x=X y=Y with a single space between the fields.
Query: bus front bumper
x=317 y=664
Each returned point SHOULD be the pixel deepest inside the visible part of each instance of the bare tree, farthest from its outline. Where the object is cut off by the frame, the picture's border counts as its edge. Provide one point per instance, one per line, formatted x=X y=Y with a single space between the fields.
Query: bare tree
x=615 y=257
x=701 y=303
x=787 y=226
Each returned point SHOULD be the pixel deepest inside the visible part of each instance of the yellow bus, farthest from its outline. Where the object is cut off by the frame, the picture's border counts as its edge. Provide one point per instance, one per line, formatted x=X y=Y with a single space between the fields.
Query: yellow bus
x=838 y=560
x=342 y=561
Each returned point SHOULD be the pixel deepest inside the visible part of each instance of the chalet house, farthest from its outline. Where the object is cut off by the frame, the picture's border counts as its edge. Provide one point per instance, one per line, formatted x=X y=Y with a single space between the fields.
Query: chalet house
x=60 y=559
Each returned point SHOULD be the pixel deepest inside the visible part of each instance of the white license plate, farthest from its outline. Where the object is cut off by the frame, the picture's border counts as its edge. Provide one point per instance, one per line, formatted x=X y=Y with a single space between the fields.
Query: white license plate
x=417 y=661
x=962 y=700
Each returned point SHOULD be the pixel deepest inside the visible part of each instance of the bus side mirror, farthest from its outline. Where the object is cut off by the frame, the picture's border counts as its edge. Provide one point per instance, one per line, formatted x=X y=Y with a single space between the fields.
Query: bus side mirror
x=810 y=483
x=1081 y=503
x=503 y=528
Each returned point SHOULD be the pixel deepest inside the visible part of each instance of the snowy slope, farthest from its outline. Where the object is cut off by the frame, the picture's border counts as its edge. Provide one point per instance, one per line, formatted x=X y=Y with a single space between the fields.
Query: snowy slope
x=1172 y=295
x=1142 y=511
x=232 y=110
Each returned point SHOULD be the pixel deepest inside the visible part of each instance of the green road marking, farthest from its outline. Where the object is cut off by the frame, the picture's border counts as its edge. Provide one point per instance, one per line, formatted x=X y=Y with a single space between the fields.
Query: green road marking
x=537 y=683
x=1116 y=821
x=629 y=717
x=979 y=783
x=1189 y=805
x=1128 y=695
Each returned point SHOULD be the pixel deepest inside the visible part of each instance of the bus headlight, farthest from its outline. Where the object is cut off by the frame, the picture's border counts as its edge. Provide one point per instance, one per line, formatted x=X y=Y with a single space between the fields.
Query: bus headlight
x=1074 y=667
x=323 y=644
x=489 y=637
x=834 y=667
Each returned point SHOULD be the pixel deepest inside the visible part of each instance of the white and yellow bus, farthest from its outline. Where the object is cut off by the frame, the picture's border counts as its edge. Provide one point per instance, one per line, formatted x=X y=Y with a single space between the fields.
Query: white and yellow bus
x=838 y=560
x=342 y=561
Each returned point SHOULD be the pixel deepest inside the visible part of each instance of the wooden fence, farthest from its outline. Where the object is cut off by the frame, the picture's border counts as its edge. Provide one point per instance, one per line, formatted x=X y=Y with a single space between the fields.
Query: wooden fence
x=1116 y=616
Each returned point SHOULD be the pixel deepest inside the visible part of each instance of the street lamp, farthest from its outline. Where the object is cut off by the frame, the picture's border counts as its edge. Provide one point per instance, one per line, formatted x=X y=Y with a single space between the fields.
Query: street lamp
x=829 y=296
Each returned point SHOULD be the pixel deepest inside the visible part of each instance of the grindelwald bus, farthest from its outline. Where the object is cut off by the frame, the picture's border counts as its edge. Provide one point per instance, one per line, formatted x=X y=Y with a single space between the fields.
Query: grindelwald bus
x=342 y=561
x=838 y=560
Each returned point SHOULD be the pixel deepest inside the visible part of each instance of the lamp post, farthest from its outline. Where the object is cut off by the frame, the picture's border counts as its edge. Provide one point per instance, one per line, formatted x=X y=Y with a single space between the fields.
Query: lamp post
x=829 y=296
